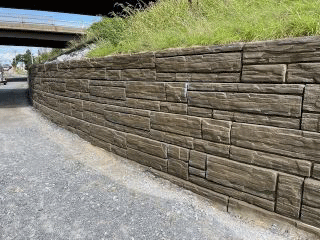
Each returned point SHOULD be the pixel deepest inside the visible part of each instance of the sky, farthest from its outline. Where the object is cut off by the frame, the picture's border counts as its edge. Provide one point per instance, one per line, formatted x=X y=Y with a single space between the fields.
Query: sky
x=7 y=53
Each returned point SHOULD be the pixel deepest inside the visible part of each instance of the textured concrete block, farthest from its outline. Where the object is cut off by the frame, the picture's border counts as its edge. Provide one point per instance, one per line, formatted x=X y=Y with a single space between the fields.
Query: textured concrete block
x=197 y=172
x=316 y=171
x=143 y=104
x=113 y=75
x=238 y=194
x=254 y=180
x=283 y=122
x=108 y=92
x=311 y=193
x=283 y=105
x=146 y=145
x=270 y=160
x=176 y=92
x=198 y=160
x=105 y=83
x=148 y=160
x=146 y=90
x=220 y=62
x=282 y=51
x=214 y=148
x=138 y=75
x=214 y=77
x=178 y=168
x=216 y=130
x=176 y=139
x=304 y=73
x=125 y=61
x=310 y=215
x=235 y=47
x=184 y=125
x=293 y=89
x=311 y=98
x=287 y=142
x=200 y=112
x=310 y=212
x=78 y=124
x=88 y=73
x=177 y=108
x=264 y=73
x=129 y=120
x=289 y=194
x=310 y=122
x=178 y=153
x=166 y=77
x=94 y=118
x=108 y=135
x=77 y=85
x=57 y=86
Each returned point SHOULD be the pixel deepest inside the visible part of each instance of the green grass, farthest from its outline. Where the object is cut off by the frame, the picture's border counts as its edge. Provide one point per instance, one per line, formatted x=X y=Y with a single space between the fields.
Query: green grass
x=176 y=23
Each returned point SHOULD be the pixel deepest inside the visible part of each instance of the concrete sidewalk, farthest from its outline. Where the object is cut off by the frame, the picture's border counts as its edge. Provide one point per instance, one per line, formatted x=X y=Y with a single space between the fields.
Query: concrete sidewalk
x=54 y=185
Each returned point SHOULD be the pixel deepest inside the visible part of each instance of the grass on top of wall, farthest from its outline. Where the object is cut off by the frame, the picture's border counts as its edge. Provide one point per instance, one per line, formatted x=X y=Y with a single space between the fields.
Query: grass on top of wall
x=177 y=23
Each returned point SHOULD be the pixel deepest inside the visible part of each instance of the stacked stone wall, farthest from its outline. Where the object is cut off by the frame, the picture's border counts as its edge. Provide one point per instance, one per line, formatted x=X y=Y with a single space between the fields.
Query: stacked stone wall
x=236 y=123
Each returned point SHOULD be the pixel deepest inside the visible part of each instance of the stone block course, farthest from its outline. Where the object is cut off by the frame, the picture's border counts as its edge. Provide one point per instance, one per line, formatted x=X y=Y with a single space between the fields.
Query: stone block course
x=146 y=90
x=178 y=153
x=130 y=120
x=264 y=73
x=178 y=168
x=292 y=89
x=283 y=122
x=304 y=73
x=198 y=160
x=273 y=161
x=254 y=180
x=286 y=142
x=138 y=75
x=176 y=92
x=217 y=149
x=125 y=61
x=311 y=101
x=304 y=49
x=310 y=122
x=108 y=92
x=148 y=160
x=311 y=202
x=289 y=193
x=216 y=130
x=146 y=145
x=179 y=124
x=238 y=194
x=209 y=63
x=236 y=123
x=272 y=104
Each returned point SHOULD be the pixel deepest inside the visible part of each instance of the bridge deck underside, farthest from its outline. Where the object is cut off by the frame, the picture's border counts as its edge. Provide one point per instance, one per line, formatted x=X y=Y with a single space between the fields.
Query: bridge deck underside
x=37 y=39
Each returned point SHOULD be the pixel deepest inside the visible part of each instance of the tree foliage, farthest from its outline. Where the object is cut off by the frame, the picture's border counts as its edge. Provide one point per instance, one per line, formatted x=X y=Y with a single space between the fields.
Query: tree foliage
x=26 y=58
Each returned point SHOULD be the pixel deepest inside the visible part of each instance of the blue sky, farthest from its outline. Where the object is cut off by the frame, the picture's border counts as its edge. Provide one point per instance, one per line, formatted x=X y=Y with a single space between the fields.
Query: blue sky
x=7 y=53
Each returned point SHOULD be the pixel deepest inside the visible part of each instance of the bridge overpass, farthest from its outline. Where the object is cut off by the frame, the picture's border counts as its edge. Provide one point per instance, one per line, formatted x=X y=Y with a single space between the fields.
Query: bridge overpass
x=38 y=35
x=87 y=8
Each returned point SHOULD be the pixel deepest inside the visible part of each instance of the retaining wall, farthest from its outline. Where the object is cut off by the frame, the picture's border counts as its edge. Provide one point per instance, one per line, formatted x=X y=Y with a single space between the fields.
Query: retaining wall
x=236 y=123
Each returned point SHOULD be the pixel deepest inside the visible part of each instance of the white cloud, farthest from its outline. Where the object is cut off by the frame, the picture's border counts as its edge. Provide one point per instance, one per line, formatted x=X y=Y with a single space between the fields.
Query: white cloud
x=7 y=53
x=6 y=57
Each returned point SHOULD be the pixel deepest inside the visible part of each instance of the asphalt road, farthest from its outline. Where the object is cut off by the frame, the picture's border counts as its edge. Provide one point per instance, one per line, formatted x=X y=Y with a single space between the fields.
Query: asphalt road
x=54 y=185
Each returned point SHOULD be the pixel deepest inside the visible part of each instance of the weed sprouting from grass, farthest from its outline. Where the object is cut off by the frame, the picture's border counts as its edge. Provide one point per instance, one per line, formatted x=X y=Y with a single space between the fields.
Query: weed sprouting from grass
x=177 y=23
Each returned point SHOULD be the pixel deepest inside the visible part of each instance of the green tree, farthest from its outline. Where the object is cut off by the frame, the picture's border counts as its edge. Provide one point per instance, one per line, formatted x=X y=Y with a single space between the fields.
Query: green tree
x=26 y=58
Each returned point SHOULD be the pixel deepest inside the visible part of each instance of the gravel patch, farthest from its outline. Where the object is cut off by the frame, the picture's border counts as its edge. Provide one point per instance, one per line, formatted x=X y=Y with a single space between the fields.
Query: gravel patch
x=76 y=55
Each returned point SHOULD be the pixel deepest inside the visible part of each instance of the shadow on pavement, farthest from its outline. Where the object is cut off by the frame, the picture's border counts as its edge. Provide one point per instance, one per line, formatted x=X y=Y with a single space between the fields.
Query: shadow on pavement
x=14 y=94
